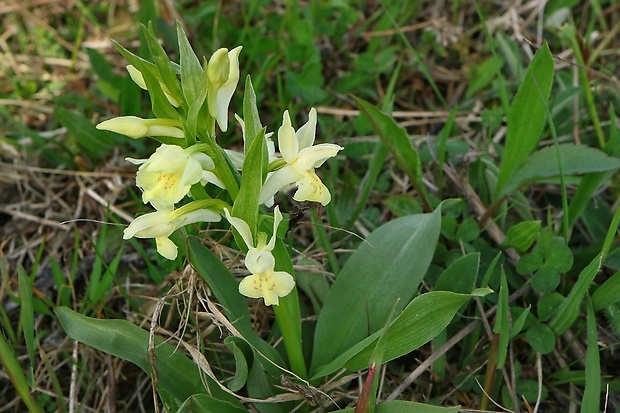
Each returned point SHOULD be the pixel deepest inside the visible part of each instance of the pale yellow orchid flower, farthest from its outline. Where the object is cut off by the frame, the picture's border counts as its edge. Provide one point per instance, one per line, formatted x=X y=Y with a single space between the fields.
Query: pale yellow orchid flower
x=138 y=79
x=264 y=281
x=222 y=78
x=166 y=177
x=301 y=158
x=161 y=224
x=137 y=128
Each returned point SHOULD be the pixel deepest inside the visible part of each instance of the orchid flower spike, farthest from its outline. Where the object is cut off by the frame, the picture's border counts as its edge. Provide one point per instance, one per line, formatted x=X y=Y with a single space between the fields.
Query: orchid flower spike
x=264 y=281
x=166 y=177
x=137 y=128
x=301 y=158
x=161 y=224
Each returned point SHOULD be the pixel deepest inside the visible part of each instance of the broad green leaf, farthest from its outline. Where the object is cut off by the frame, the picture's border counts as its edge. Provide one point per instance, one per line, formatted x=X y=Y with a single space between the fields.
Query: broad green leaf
x=388 y=265
x=526 y=116
x=522 y=235
x=576 y=159
x=397 y=141
x=427 y=315
x=401 y=406
x=592 y=392
x=178 y=375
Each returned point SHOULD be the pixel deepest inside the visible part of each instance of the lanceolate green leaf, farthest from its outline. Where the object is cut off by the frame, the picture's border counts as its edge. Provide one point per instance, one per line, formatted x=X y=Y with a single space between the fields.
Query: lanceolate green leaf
x=592 y=393
x=526 y=117
x=159 y=103
x=163 y=64
x=389 y=265
x=178 y=375
x=397 y=141
x=191 y=70
x=576 y=159
x=569 y=309
x=246 y=204
x=251 y=118
x=427 y=315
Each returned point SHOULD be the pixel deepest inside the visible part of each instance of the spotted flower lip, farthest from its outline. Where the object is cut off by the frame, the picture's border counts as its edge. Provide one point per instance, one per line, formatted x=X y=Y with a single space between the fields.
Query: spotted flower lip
x=161 y=224
x=138 y=79
x=301 y=158
x=167 y=176
x=264 y=281
x=222 y=76
x=136 y=128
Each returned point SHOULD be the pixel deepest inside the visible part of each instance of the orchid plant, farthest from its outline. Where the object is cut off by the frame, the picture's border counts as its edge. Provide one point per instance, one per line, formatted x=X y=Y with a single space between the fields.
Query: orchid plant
x=372 y=306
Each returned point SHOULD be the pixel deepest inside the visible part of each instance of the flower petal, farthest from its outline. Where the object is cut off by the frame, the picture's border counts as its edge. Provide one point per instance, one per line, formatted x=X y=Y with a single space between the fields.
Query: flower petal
x=277 y=181
x=136 y=76
x=242 y=227
x=287 y=141
x=259 y=260
x=250 y=286
x=166 y=248
x=225 y=92
x=199 y=215
x=151 y=225
x=131 y=126
x=283 y=283
x=277 y=218
x=306 y=134
x=314 y=156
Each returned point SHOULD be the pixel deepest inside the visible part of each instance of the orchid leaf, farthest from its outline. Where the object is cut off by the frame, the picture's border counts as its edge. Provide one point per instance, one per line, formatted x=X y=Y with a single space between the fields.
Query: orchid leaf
x=388 y=265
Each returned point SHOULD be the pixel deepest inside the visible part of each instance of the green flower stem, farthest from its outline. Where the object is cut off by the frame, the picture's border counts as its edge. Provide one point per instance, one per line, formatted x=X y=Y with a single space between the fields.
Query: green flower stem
x=290 y=326
x=288 y=316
